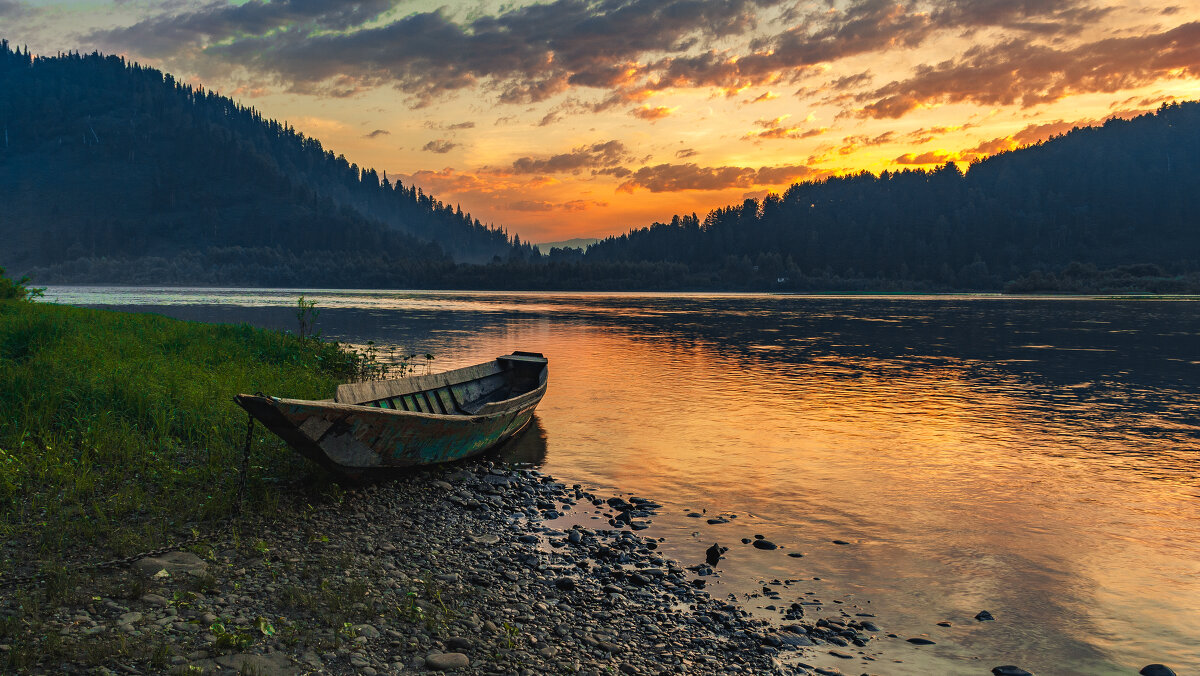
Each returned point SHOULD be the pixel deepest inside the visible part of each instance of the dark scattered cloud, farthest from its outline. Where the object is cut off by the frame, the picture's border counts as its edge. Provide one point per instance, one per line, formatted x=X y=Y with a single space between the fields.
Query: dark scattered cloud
x=531 y=53
x=527 y=53
x=193 y=29
x=12 y=9
x=1018 y=72
x=1047 y=17
x=619 y=172
x=461 y=125
x=595 y=157
x=377 y=133
x=685 y=153
x=440 y=146
x=850 y=81
x=679 y=177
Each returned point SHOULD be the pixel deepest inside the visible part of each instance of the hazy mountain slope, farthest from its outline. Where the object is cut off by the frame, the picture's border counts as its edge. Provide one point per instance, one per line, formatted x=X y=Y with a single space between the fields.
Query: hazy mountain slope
x=100 y=159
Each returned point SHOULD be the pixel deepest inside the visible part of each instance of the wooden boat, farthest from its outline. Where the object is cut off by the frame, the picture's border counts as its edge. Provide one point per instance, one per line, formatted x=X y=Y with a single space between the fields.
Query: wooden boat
x=418 y=420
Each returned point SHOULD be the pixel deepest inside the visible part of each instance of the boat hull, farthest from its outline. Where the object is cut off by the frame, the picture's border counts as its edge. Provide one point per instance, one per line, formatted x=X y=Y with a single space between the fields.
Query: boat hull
x=357 y=439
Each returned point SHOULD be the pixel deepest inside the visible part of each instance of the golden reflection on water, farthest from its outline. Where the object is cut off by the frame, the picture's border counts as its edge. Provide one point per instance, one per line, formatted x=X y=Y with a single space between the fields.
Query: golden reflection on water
x=1033 y=458
x=958 y=494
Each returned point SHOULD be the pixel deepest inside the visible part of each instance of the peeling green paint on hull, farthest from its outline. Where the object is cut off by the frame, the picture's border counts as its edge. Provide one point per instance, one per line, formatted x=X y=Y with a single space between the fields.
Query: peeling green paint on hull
x=481 y=406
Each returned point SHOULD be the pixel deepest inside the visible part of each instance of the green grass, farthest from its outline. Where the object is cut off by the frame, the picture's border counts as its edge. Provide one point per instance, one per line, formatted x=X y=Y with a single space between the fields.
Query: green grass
x=118 y=432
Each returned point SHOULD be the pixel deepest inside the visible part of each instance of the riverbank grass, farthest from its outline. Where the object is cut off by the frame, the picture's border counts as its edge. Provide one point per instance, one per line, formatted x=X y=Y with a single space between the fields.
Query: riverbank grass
x=118 y=432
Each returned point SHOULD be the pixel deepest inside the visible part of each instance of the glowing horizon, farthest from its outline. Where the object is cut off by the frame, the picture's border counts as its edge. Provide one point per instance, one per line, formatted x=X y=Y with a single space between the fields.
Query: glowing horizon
x=583 y=119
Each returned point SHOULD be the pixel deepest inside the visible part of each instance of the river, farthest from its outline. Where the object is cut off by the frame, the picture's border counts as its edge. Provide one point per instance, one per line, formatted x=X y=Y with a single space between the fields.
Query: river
x=1032 y=457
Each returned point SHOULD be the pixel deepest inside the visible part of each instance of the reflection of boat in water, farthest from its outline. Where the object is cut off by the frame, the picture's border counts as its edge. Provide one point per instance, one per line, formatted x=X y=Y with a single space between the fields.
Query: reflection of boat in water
x=418 y=420
x=527 y=448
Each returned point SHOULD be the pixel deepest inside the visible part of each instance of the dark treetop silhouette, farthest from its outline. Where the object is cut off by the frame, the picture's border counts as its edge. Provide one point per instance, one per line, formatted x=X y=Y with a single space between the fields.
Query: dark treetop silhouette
x=113 y=172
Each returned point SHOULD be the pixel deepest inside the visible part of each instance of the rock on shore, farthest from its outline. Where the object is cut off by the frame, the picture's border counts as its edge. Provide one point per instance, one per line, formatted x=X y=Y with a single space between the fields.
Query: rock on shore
x=456 y=570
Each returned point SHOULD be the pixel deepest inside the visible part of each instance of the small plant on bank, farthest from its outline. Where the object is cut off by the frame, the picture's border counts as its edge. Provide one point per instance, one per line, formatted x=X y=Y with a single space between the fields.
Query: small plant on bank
x=306 y=314
x=374 y=366
x=229 y=639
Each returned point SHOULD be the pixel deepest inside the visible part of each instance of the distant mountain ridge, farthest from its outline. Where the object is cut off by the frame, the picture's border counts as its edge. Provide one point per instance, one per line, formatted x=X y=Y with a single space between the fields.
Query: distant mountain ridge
x=104 y=162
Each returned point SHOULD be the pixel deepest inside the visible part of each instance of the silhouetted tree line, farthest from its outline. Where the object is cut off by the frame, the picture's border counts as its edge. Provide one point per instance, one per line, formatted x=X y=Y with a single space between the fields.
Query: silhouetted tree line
x=1115 y=196
x=114 y=172
x=100 y=158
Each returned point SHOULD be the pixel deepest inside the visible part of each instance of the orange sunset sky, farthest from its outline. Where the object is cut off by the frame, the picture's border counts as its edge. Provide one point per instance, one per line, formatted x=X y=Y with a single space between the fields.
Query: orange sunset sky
x=582 y=119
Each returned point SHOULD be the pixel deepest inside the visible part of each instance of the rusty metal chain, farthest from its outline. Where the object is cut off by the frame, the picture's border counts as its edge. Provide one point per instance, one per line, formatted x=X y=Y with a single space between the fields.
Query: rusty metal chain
x=229 y=523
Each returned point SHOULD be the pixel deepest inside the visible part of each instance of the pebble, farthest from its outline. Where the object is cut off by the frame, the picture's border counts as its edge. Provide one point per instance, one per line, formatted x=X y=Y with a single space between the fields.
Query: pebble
x=486 y=577
x=1010 y=670
x=447 y=661
x=984 y=616
x=1156 y=670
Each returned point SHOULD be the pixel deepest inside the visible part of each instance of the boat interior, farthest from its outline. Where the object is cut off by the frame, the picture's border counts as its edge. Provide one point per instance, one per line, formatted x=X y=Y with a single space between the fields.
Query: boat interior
x=460 y=392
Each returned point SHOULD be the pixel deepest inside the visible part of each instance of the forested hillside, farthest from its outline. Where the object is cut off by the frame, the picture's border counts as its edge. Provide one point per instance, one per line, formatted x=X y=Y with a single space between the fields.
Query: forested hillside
x=115 y=173
x=1120 y=201
x=110 y=168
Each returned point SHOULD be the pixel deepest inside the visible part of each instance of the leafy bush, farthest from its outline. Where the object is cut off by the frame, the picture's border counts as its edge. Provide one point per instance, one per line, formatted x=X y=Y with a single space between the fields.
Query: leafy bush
x=10 y=290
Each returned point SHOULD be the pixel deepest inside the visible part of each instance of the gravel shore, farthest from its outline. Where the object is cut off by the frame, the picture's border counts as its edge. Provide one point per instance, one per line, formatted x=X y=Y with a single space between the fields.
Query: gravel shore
x=472 y=569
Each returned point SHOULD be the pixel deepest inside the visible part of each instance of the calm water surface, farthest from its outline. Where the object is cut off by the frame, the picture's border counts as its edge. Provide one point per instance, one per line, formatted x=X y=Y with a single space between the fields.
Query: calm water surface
x=1033 y=457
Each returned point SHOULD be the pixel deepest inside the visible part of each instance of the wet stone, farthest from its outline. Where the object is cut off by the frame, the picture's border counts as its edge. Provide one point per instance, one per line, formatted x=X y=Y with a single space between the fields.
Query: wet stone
x=446 y=661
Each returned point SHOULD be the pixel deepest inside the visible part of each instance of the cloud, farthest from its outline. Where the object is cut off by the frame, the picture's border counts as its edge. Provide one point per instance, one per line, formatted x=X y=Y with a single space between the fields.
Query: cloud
x=13 y=9
x=599 y=155
x=601 y=53
x=582 y=205
x=213 y=23
x=679 y=177
x=1047 y=17
x=685 y=153
x=927 y=134
x=653 y=114
x=930 y=157
x=525 y=53
x=1016 y=72
x=774 y=129
x=574 y=206
x=440 y=146
x=434 y=124
x=765 y=96
x=377 y=133
x=529 y=205
x=850 y=81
